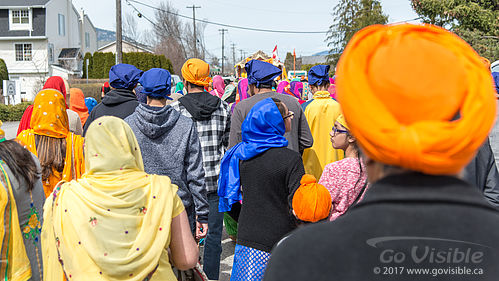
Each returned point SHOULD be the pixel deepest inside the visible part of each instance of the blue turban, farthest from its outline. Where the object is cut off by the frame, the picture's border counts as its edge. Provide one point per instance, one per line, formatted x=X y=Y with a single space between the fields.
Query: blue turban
x=124 y=76
x=157 y=83
x=495 y=75
x=318 y=74
x=260 y=72
x=90 y=103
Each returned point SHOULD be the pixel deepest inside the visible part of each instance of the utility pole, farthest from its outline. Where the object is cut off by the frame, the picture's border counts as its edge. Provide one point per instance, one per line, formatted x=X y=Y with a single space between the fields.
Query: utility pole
x=193 y=7
x=223 y=33
x=119 y=48
x=241 y=51
x=233 y=53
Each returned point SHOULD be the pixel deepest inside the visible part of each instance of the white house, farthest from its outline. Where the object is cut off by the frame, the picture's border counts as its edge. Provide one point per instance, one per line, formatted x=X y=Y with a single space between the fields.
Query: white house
x=41 y=37
x=127 y=47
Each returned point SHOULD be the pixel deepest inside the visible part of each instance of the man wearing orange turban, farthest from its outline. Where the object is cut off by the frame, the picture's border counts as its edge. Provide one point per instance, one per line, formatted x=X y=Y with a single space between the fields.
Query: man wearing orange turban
x=212 y=118
x=420 y=102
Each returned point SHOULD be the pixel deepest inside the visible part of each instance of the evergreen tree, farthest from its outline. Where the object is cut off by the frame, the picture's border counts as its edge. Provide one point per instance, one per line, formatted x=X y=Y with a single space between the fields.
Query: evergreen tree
x=476 y=21
x=351 y=16
x=4 y=73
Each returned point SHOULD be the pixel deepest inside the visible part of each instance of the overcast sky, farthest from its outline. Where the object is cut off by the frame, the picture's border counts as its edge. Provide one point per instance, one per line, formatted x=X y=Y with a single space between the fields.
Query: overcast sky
x=276 y=15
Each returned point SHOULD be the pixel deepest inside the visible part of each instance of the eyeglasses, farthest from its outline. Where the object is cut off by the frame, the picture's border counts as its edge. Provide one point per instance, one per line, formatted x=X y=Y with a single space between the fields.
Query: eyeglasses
x=335 y=131
x=290 y=114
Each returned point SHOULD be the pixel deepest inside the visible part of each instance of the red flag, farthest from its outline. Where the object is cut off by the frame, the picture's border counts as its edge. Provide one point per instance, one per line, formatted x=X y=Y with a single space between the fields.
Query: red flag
x=275 y=55
x=294 y=54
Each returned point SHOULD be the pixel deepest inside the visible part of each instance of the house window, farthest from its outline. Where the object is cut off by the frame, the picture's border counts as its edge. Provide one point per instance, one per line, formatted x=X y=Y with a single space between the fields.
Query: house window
x=20 y=19
x=62 y=25
x=23 y=52
x=51 y=52
x=87 y=40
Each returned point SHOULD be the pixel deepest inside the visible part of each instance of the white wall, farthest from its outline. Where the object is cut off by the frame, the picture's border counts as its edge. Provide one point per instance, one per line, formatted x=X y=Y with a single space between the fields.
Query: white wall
x=39 y=56
x=88 y=27
x=71 y=38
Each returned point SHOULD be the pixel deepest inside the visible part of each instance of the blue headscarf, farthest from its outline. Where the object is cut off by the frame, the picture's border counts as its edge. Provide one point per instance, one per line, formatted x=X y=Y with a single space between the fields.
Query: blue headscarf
x=124 y=76
x=318 y=74
x=260 y=72
x=495 y=75
x=90 y=103
x=262 y=129
x=157 y=83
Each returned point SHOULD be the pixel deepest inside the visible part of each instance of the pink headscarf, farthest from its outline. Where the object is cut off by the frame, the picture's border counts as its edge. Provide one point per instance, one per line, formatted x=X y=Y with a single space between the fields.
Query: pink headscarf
x=332 y=88
x=218 y=86
x=281 y=86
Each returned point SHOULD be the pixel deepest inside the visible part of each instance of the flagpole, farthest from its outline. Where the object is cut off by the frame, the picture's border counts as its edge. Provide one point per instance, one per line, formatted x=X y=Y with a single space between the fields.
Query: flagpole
x=294 y=64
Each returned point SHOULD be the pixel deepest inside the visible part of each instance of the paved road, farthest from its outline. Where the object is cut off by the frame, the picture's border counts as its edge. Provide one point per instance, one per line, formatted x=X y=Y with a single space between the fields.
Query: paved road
x=227 y=257
x=10 y=129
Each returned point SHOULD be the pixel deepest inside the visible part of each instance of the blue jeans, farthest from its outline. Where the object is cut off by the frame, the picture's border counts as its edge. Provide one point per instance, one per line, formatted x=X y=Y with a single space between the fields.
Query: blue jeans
x=213 y=242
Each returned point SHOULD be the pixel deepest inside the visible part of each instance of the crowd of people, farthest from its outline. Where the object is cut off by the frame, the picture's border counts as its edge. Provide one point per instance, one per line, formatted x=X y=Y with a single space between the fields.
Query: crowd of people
x=304 y=175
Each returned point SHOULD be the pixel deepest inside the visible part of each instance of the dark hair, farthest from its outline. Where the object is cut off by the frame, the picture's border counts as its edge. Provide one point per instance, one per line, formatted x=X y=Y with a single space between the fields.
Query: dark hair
x=51 y=153
x=105 y=89
x=280 y=106
x=20 y=162
x=265 y=86
x=193 y=85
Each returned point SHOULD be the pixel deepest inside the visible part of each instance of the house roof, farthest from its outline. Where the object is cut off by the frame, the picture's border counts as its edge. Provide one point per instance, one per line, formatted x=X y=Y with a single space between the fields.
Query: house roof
x=69 y=53
x=133 y=44
x=22 y=3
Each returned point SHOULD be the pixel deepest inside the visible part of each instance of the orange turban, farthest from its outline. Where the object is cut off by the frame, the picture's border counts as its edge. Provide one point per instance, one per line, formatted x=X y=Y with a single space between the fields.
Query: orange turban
x=311 y=201
x=416 y=96
x=197 y=72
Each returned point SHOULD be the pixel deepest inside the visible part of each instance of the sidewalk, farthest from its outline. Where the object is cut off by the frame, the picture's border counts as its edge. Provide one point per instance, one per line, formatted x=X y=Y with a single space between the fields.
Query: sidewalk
x=10 y=129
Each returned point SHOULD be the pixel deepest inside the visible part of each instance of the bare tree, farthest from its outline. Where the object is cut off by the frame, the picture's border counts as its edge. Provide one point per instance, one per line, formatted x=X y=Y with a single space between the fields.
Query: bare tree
x=174 y=36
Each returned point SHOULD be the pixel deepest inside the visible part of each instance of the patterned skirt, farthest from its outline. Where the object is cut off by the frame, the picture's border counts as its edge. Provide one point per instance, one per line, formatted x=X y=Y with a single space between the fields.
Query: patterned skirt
x=249 y=264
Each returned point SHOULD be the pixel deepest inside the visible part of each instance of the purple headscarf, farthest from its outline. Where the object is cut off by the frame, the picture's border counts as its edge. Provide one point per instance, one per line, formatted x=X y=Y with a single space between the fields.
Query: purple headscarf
x=297 y=89
x=242 y=89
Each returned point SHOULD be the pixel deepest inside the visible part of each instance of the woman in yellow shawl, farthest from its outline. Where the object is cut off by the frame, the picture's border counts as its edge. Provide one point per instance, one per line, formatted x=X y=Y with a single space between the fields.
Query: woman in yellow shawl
x=14 y=262
x=116 y=222
x=60 y=152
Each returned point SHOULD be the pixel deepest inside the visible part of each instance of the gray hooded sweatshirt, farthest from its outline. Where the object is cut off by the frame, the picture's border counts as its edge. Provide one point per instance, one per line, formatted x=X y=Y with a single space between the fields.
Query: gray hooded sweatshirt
x=170 y=146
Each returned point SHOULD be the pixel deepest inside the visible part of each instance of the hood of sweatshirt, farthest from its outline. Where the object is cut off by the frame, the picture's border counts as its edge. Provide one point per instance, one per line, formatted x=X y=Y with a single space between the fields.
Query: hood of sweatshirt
x=200 y=105
x=154 y=123
x=118 y=96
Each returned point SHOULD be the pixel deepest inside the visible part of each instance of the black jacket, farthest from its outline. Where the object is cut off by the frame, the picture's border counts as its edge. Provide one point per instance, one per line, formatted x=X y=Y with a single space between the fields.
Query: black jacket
x=117 y=102
x=482 y=173
x=405 y=223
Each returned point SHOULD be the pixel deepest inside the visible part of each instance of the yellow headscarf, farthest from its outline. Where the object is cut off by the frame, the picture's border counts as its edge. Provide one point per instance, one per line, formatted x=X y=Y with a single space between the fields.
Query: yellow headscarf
x=49 y=118
x=342 y=121
x=15 y=263
x=113 y=223
x=415 y=96
x=197 y=72
x=2 y=133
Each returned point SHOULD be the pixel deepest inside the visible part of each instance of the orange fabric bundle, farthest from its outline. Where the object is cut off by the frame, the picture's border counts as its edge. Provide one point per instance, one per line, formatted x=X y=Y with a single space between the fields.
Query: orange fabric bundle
x=197 y=72
x=77 y=104
x=416 y=96
x=311 y=201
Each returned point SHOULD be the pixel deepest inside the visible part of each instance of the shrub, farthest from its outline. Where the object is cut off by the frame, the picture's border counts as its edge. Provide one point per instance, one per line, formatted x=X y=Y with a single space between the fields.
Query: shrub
x=13 y=112
x=100 y=63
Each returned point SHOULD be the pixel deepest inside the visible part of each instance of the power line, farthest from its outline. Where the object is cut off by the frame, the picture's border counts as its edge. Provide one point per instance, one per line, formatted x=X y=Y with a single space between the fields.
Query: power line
x=249 y=28
x=230 y=25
